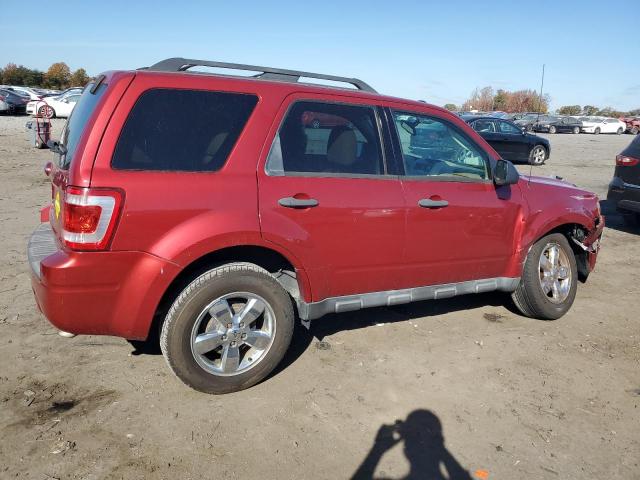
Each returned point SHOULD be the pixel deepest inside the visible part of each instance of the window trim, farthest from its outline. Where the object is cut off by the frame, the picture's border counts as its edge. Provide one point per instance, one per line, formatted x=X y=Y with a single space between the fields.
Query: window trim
x=379 y=124
x=436 y=178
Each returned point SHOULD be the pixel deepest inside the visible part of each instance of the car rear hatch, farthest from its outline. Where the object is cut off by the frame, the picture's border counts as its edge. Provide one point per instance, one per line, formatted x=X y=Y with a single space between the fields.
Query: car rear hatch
x=628 y=163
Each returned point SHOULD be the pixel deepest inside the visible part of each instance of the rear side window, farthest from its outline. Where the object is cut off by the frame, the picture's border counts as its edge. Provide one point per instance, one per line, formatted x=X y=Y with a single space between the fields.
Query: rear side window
x=327 y=138
x=633 y=150
x=182 y=130
x=86 y=104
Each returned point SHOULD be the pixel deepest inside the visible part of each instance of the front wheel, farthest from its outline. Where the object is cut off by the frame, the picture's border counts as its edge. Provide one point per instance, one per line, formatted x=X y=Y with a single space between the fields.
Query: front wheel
x=228 y=329
x=552 y=129
x=576 y=130
x=635 y=130
x=538 y=155
x=597 y=131
x=549 y=279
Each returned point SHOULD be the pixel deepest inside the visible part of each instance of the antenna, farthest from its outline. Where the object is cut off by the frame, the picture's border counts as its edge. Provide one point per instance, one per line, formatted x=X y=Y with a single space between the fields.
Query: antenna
x=539 y=111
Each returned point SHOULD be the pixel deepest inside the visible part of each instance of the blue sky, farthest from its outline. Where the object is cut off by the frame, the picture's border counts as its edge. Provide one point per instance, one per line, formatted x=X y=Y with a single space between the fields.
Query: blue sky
x=436 y=51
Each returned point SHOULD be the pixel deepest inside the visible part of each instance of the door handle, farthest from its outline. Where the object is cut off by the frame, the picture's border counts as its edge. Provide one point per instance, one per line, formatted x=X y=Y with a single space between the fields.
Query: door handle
x=292 y=202
x=428 y=203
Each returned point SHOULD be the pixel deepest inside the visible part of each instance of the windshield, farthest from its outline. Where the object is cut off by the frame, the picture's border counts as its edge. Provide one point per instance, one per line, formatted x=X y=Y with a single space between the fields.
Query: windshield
x=77 y=121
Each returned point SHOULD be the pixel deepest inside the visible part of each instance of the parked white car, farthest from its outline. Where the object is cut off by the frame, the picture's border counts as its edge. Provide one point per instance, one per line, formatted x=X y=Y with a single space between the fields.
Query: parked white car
x=597 y=125
x=52 y=107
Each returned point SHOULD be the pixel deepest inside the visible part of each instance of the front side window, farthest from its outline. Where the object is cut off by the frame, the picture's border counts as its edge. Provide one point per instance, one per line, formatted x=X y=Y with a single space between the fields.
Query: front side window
x=434 y=148
x=327 y=138
x=506 y=127
x=182 y=130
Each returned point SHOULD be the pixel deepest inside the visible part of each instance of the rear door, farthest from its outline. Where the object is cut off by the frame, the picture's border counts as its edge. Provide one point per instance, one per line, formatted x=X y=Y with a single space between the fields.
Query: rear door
x=487 y=129
x=327 y=197
x=459 y=225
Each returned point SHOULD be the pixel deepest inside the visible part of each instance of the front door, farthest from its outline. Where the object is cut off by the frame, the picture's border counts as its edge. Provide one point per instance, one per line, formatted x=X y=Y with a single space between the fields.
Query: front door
x=325 y=196
x=515 y=139
x=459 y=226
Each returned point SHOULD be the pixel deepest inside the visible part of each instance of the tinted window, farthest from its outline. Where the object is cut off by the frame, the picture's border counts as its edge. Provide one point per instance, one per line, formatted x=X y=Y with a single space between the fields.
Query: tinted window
x=484 y=126
x=327 y=138
x=506 y=127
x=434 y=148
x=182 y=130
x=633 y=150
x=77 y=121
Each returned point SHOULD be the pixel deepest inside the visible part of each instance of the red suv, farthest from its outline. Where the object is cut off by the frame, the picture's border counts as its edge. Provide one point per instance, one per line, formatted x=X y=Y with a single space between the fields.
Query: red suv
x=210 y=209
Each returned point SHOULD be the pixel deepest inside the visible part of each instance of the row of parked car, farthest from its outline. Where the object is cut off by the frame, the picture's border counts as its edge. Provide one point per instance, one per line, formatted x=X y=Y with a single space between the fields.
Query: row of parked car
x=16 y=100
x=537 y=122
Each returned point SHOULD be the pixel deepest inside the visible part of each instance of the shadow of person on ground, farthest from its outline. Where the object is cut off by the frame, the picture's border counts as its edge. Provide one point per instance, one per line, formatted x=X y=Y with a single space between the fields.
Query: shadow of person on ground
x=424 y=448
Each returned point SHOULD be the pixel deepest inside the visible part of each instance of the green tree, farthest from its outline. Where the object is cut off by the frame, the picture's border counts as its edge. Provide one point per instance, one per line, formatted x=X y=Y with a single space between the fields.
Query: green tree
x=589 y=110
x=500 y=101
x=12 y=75
x=570 y=110
x=79 y=78
x=452 y=107
x=58 y=76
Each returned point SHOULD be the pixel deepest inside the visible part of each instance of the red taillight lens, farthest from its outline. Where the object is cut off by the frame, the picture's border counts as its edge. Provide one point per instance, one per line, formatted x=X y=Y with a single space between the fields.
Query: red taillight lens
x=89 y=216
x=624 y=161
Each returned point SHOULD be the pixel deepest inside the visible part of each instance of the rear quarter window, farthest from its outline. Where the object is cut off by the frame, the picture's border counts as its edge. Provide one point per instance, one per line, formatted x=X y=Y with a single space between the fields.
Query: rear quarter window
x=182 y=130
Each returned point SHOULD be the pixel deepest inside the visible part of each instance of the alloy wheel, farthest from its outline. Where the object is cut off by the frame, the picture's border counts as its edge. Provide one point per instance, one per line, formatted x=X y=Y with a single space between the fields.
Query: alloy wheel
x=233 y=333
x=555 y=273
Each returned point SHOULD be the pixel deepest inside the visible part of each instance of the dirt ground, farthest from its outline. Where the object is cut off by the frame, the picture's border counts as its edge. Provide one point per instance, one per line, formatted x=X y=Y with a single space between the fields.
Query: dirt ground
x=464 y=383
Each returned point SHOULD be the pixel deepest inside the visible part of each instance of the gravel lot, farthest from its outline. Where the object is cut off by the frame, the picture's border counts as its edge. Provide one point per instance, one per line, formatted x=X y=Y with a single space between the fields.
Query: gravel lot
x=514 y=397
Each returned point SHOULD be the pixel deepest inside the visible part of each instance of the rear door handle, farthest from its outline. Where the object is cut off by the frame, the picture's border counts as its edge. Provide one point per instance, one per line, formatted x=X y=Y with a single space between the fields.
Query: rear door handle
x=291 y=202
x=428 y=203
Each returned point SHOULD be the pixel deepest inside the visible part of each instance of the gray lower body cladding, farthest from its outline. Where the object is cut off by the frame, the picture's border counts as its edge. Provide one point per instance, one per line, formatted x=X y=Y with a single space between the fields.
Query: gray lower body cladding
x=348 y=303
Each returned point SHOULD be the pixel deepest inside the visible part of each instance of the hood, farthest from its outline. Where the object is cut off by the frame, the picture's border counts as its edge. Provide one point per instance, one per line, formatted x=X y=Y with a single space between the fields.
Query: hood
x=536 y=181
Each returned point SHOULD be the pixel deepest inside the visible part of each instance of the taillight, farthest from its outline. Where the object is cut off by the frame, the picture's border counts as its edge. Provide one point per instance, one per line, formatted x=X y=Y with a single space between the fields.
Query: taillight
x=89 y=217
x=625 y=161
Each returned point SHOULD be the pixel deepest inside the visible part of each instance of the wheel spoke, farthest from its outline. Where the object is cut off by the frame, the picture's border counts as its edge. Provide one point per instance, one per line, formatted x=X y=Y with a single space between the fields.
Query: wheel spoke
x=553 y=255
x=545 y=263
x=251 y=311
x=546 y=285
x=205 y=342
x=555 y=289
x=258 y=339
x=230 y=359
x=221 y=314
x=563 y=288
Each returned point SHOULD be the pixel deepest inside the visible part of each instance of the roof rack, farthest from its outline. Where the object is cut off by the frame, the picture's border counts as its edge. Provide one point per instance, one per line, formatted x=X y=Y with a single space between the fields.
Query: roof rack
x=183 y=64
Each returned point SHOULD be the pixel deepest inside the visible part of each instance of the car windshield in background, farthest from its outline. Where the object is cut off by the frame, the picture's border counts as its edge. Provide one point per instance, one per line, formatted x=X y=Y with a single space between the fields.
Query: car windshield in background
x=75 y=125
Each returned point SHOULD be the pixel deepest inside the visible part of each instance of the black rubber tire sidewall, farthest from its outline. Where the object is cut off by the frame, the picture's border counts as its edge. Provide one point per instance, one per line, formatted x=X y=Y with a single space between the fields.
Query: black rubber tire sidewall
x=552 y=130
x=530 y=292
x=531 y=158
x=176 y=332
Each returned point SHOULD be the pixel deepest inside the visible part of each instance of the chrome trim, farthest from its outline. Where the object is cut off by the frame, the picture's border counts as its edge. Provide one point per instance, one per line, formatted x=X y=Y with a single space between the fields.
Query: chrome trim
x=348 y=303
x=42 y=243
x=630 y=185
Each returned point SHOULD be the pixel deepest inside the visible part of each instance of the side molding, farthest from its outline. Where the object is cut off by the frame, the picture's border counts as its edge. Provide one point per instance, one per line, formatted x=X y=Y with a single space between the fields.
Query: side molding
x=348 y=303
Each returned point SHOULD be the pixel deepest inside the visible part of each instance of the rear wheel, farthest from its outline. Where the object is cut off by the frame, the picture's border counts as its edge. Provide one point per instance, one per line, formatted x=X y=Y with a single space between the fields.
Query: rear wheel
x=634 y=130
x=549 y=279
x=228 y=329
x=576 y=130
x=619 y=131
x=537 y=155
x=552 y=129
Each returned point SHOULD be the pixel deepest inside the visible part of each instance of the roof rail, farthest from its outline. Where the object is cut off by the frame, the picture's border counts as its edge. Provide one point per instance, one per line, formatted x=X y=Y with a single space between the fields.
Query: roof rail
x=183 y=64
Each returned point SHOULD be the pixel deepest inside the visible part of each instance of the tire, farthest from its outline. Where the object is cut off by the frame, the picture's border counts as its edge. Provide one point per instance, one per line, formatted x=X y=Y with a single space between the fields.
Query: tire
x=576 y=130
x=596 y=131
x=232 y=364
x=635 y=130
x=529 y=128
x=620 y=131
x=530 y=296
x=537 y=155
x=46 y=111
x=552 y=129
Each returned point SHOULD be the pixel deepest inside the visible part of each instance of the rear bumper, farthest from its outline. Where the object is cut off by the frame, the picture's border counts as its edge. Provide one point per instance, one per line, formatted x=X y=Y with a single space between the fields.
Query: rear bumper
x=98 y=293
x=625 y=196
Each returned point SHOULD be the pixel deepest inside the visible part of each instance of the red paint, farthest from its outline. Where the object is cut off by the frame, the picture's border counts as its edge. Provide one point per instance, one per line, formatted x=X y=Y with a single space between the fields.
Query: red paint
x=367 y=234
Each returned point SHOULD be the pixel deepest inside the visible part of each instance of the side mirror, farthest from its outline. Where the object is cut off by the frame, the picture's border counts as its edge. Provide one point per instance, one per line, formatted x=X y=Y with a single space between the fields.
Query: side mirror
x=505 y=173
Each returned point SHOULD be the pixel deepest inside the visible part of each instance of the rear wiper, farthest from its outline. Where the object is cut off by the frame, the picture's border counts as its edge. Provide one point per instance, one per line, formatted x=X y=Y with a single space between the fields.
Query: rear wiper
x=57 y=147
